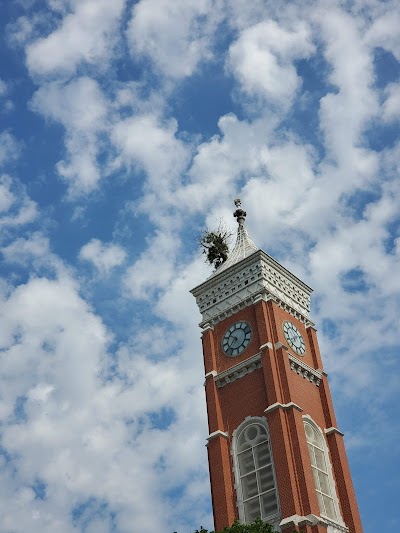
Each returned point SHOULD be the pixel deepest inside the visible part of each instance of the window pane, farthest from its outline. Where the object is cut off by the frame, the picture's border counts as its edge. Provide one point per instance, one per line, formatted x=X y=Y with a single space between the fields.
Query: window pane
x=249 y=486
x=329 y=508
x=246 y=462
x=262 y=455
x=321 y=503
x=320 y=459
x=311 y=452
x=252 y=509
x=324 y=483
x=265 y=479
x=316 y=479
x=251 y=433
x=268 y=504
x=309 y=432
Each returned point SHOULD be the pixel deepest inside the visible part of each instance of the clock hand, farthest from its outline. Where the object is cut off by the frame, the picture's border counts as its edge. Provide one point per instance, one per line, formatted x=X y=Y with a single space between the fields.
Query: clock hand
x=231 y=343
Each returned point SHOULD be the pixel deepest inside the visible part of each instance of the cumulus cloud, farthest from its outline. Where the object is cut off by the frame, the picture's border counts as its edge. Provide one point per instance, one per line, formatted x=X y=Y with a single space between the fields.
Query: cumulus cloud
x=16 y=208
x=175 y=36
x=391 y=105
x=104 y=257
x=87 y=34
x=384 y=30
x=81 y=108
x=89 y=409
x=9 y=148
x=262 y=59
x=352 y=74
x=152 y=144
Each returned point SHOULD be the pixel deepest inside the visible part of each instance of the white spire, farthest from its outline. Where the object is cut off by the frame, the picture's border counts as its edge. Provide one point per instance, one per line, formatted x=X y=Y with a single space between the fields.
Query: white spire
x=244 y=246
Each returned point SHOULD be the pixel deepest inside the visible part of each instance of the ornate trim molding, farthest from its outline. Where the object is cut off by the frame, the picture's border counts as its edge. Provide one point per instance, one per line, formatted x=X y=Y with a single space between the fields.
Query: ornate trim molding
x=280 y=345
x=216 y=434
x=331 y=430
x=238 y=371
x=266 y=345
x=313 y=520
x=284 y=406
x=207 y=327
x=314 y=376
x=255 y=278
x=295 y=521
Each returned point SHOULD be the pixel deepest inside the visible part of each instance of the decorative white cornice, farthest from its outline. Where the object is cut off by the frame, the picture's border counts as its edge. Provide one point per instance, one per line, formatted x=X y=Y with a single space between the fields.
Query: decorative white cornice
x=212 y=373
x=216 y=434
x=257 y=276
x=266 y=345
x=313 y=520
x=295 y=521
x=284 y=406
x=300 y=367
x=207 y=327
x=331 y=430
x=238 y=371
x=280 y=345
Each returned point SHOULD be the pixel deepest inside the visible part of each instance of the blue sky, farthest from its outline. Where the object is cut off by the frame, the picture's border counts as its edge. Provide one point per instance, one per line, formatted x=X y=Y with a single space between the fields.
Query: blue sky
x=125 y=129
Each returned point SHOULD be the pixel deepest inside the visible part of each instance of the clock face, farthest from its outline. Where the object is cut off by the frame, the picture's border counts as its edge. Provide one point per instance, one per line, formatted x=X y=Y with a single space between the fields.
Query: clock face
x=236 y=339
x=294 y=338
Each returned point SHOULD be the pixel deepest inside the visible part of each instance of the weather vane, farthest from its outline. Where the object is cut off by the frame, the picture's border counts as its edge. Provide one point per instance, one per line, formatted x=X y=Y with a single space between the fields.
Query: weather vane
x=239 y=214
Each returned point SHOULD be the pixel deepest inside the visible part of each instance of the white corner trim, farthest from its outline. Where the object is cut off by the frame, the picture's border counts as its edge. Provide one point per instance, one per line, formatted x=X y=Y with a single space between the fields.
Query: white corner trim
x=212 y=373
x=207 y=327
x=331 y=430
x=266 y=345
x=284 y=406
x=296 y=520
x=280 y=345
x=300 y=367
x=216 y=434
x=312 y=520
x=238 y=371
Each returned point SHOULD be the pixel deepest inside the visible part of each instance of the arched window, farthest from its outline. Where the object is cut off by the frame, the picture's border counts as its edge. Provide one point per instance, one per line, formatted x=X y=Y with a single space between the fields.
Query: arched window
x=255 y=478
x=321 y=471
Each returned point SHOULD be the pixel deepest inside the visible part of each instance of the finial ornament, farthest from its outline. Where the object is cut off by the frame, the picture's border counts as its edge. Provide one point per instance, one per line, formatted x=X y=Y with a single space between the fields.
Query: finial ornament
x=239 y=214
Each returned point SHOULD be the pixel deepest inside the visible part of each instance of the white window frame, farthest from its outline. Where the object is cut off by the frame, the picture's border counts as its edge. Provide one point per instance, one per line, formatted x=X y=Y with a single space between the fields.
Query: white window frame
x=331 y=481
x=273 y=519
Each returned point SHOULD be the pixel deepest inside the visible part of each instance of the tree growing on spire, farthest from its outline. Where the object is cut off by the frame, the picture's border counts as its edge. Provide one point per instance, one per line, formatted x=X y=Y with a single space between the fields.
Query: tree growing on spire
x=215 y=244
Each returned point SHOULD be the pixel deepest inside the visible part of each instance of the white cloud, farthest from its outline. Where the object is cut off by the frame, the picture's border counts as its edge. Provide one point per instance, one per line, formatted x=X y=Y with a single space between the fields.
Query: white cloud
x=384 y=30
x=82 y=109
x=391 y=105
x=3 y=88
x=104 y=257
x=22 y=249
x=9 y=148
x=344 y=115
x=152 y=145
x=262 y=59
x=77 y=433
x=16 y=208
x=176 y=36
x=87 y=34
x=7 y=198
x=155 y=267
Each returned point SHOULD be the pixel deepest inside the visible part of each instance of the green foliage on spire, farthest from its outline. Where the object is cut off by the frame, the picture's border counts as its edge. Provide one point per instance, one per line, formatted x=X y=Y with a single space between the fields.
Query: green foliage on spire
x=214 y=245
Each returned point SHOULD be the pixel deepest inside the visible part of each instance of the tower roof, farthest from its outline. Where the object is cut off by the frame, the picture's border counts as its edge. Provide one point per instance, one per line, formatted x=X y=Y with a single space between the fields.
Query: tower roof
x=244 y=246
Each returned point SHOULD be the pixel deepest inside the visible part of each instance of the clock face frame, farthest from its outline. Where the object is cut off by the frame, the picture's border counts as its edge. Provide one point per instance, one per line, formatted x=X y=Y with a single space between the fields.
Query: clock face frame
x=236 y=339
x=294 y=338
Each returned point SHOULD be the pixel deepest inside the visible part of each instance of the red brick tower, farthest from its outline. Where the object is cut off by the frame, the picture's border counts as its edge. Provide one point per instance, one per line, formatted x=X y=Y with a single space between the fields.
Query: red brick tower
x=274 y=449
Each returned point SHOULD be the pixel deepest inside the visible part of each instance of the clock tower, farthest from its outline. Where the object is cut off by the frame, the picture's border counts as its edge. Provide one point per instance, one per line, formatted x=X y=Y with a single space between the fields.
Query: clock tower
x=274 y=448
